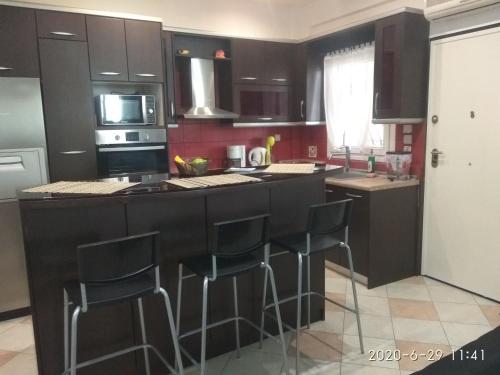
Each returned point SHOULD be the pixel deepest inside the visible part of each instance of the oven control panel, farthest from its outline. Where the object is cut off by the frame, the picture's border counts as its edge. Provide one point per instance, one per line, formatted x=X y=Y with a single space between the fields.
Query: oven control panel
x=126 y=136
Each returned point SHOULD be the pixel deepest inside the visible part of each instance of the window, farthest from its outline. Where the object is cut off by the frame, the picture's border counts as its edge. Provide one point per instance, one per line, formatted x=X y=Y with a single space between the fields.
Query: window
x=348 y=85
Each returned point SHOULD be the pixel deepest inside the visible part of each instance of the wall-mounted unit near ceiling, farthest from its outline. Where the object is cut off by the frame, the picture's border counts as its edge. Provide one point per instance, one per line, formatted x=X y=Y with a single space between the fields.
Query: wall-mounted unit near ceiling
x=441 y=8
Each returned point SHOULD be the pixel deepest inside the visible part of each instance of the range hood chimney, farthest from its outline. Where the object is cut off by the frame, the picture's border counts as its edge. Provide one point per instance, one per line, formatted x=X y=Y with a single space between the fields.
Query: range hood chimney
x=203 y=92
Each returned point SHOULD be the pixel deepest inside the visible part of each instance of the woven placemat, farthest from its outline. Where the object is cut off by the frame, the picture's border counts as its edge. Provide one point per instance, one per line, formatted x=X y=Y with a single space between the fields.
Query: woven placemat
x=82 y=187
x=301 y=168
x=208 y=181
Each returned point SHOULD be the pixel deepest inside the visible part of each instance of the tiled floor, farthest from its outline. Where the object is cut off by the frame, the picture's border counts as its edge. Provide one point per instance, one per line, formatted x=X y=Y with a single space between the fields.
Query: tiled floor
x=416 y=314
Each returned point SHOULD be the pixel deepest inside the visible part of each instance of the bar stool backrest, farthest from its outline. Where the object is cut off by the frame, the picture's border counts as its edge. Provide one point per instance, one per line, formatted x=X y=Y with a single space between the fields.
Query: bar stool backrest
x=118 y=259
x=239 y=237
x=329 y=218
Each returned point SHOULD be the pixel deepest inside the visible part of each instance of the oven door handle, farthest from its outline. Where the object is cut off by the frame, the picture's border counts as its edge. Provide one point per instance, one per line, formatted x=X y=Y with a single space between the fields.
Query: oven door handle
x=139 y=148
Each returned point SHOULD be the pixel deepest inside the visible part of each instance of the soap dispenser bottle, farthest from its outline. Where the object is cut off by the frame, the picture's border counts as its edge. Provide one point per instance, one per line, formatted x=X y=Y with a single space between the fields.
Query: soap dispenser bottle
x=371 y=162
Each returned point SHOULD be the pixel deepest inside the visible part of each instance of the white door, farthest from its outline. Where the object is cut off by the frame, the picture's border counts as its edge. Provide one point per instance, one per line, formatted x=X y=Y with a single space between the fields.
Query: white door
x=461 y=243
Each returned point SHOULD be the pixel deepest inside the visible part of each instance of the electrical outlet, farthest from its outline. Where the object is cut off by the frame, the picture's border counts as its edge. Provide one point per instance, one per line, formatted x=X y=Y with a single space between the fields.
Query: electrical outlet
x=313 y=151
x=277 y=137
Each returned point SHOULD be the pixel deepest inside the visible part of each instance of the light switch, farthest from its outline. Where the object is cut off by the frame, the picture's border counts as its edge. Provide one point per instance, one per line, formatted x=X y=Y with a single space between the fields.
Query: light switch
x=313 y=151
x=277 y=137
x=407 y=139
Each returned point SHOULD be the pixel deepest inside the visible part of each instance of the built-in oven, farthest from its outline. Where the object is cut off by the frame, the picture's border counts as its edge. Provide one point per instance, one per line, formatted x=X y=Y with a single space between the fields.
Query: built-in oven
x=124 y=152
x=134 y=110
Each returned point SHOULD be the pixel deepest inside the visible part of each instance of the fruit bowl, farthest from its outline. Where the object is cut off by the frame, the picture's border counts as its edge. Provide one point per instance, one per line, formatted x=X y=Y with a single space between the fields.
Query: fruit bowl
x=193 y=167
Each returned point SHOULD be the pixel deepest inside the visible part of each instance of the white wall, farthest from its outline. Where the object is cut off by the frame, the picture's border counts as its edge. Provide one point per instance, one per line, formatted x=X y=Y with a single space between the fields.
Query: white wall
x=261 y=19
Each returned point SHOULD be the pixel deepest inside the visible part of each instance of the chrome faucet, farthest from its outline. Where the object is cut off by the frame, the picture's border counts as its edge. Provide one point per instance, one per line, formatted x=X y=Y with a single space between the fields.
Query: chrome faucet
x=347 y=154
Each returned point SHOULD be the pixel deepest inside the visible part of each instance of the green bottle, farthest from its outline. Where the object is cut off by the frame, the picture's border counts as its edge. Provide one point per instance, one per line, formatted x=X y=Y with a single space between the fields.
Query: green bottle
x=371 y=162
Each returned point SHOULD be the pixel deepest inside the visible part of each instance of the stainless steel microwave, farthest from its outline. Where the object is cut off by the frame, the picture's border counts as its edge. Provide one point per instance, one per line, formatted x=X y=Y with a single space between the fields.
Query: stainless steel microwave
x=126 y=109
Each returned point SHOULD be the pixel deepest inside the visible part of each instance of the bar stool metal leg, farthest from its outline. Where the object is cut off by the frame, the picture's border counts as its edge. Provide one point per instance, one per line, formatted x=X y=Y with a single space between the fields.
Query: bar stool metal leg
x=264 y=298
x=204 y=327
x=299 y=310
x=173 y=332
x=178 y=307
x=74 y=336
x=237 y=314
x=66 y=333
x=356 y=307
x=308 y=260
x=278 y=316
x=143 y=334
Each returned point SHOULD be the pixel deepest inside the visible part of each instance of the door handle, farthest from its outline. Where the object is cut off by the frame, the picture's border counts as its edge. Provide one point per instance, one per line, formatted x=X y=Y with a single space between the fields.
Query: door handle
x=265 y=118
x=62 y=33
x=435 y=157
x=172 y=108
x=109 y=73
x=249 y=78
x=377 y=95
x=353 y=195
x=5 y=68
x=145 y=75
x=302 y=109
x=76 y=152
x=279 y=79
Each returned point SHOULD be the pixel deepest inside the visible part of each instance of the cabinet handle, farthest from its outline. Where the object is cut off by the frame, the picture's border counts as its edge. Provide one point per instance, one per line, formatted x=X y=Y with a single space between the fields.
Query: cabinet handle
x=279 y=79
x=75 y=152
x=62 y=33
x=109 y=73
x=377 y=95
x=353 y=195
x=5 y=68
x=265 y=118
x=302 y=109
x=172 y=108
x=328 y=191
x=249 y=78
x=145 y=75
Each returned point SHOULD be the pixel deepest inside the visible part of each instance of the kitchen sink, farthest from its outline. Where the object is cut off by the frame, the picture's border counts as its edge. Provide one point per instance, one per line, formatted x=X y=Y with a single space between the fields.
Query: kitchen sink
x=349 y=175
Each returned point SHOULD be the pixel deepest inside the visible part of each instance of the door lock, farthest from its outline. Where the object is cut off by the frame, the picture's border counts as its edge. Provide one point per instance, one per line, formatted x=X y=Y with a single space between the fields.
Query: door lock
x=435 y=157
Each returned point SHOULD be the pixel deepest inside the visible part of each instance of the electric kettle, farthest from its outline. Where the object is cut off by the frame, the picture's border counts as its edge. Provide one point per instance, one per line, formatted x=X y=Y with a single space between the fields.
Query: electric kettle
x=257 y=156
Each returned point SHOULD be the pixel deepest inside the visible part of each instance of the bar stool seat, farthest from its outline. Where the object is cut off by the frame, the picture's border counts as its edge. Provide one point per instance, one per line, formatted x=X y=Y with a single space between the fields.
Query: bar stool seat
x=297 y=242
x=101 y=295
x=226 y=267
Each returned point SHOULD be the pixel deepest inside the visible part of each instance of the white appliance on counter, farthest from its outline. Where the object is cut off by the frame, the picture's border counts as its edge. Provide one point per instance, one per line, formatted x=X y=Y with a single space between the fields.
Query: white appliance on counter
x=236 y=156
x=22 y=165
x=257 y=156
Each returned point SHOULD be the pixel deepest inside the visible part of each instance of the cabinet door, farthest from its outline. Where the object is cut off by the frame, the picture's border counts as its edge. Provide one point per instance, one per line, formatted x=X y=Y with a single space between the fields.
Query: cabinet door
x=61 y=25
x=299 y=108
x=144 y=51
x=107 y=48
x=278 y=61
x=247 y=60
x=168 y=53
x=387 y=93
x=69 y=115
x=19 y=55
x=262 y=103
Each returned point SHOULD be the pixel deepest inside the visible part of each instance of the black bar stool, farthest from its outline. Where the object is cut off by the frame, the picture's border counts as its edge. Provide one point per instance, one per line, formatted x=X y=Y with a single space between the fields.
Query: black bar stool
x=324 y=222
x=232 y=248
x=123 y=269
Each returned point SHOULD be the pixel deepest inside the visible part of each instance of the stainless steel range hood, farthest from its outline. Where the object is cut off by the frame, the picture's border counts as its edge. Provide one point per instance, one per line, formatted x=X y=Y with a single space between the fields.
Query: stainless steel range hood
x=203 y=92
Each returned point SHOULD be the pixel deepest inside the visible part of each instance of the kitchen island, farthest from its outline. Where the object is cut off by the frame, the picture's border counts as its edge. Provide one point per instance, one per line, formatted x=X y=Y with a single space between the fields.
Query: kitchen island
x=53 y=225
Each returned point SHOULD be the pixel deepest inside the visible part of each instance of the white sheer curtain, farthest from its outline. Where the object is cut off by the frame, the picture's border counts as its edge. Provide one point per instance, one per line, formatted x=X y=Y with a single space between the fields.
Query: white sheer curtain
x=348 y=85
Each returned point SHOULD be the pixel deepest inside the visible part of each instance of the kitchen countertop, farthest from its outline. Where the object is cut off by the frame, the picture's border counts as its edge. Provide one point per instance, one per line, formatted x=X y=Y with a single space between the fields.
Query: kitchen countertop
x=371 y=184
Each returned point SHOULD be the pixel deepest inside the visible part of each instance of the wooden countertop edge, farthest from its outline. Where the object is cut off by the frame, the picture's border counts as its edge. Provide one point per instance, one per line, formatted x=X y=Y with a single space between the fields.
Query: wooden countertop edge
x=364 y=183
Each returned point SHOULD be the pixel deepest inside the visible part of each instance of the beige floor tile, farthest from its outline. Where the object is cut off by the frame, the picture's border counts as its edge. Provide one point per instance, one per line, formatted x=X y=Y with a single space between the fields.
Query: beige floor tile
x=432 y=282
x=419 y=330
x=254 y=362
x=362 y=290
x=18 y=338
x=323 y=346
x=408 y=291
x=337 y=297
x=335 y=285
x=308 y=366
x=30 y=350
x=425 y=354
x=484 y=301
x=412 y=309
x=351 y=351
x=372 y=326
x=6 y=356
x=272 y=346
x=333 y=323
x=350 y=369
x=403 y=372
x=370 y=305
x=333 y=274
x=446 y=293
x=461 y=334
x=460 y=313
x=7 y=324
x=492 y=313
x=21 y=364
x=413 y=280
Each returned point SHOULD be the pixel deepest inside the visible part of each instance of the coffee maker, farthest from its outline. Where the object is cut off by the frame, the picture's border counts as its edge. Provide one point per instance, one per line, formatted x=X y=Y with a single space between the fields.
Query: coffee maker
x=236 y=156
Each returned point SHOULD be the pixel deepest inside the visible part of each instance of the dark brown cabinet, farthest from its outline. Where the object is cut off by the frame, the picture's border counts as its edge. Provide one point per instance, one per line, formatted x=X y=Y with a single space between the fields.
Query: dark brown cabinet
x=262 y=103
x=382 y=233
x=144 y=51
x=168 y=56
x=401 y=69
x=61 y=25
x=107 y=48
x=68 y=107
x=18 y=49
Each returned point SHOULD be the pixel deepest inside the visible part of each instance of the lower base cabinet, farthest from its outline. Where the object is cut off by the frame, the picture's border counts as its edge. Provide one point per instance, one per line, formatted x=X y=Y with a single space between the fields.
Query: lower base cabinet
x=382 y=233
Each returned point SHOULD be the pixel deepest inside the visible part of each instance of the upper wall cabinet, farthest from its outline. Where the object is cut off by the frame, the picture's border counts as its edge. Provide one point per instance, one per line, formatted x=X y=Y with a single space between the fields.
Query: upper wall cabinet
x=262 y=62
x=61 y=25
x=107 y=48
x=401 y=69
x=18 y=44
x=144 y=50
